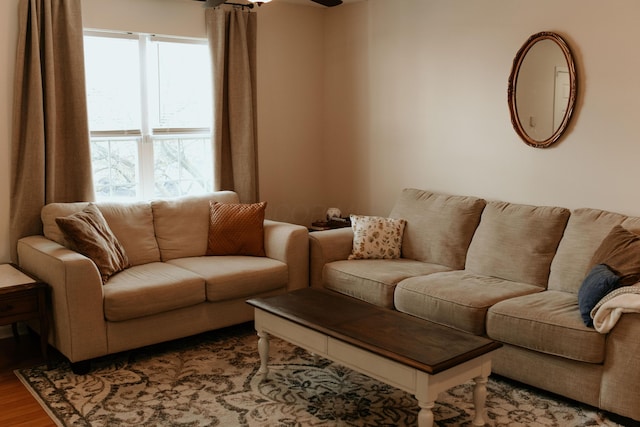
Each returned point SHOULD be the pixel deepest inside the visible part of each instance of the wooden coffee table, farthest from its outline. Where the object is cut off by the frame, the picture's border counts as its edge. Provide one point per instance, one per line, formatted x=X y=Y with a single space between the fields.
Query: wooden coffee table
x=412 y=354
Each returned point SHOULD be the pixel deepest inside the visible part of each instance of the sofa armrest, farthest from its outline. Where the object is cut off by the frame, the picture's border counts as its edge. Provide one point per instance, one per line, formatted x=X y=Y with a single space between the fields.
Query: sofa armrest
x=78 y=329
x=289 y=243
x=619 y=392
x=325 y=247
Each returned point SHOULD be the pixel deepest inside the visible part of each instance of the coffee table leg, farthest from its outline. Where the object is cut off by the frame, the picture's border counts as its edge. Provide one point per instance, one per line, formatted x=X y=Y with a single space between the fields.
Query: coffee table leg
x=479 y=399
x=425 y=416
x=263 y=351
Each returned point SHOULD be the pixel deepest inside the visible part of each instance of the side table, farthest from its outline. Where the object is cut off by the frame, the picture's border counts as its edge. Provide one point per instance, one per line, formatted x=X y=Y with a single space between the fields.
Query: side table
x=23 y=297
x=331 y=224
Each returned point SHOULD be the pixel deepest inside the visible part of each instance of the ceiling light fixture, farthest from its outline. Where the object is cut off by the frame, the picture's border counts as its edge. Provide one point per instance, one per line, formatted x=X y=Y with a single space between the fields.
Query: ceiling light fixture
x=259 y=2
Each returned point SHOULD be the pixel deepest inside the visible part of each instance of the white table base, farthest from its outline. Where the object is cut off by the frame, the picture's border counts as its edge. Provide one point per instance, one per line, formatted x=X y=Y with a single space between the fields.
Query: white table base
x=424 y=386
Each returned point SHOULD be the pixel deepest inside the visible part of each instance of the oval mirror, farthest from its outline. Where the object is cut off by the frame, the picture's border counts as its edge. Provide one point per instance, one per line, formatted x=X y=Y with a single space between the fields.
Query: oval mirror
x=542 y=89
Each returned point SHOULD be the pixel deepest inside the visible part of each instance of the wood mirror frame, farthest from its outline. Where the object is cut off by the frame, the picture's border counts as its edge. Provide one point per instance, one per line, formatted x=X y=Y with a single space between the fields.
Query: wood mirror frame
x=517 y=116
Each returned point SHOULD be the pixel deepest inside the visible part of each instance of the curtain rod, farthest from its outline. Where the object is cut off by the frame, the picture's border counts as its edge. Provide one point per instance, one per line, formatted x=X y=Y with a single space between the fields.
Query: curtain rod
x=249 y=5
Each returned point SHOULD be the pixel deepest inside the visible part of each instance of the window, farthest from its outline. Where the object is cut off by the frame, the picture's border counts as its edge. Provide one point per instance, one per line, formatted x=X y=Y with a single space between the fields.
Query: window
x=150 y=112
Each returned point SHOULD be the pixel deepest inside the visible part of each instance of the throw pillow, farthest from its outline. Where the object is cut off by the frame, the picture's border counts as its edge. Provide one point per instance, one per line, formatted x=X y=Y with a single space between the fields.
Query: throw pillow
x=375 y=237
x=598 y=283
x=236 y=229
x=89 y=234
x=620 y=250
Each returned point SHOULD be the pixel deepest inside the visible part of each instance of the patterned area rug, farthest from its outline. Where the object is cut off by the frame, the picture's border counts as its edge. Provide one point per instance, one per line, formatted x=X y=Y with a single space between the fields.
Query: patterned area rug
x=210 y=380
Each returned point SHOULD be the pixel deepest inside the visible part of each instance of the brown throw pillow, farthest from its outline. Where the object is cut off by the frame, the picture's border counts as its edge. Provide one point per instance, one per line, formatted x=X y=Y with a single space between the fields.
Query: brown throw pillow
x=89 y=234
x=620 y=251
x=236 y=229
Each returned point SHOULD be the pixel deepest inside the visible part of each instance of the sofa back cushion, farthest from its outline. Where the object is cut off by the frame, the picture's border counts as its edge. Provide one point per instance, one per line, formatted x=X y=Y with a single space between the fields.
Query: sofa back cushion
x=439 y=227
x=516 y=242
x=585 y=231
x=182 y=224
x=131 y=223
x=50 y=212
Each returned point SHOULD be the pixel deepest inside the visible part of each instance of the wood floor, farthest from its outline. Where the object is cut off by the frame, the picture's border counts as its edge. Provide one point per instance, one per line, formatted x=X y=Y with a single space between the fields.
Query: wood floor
x=17 y=406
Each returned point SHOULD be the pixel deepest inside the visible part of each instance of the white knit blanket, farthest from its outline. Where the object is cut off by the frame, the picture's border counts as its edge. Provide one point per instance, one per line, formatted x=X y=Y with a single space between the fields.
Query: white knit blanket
x=609 y=309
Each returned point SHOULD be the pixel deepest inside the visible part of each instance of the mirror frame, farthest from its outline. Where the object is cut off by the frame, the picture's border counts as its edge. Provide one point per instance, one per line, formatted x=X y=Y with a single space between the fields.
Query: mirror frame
x=513 y=82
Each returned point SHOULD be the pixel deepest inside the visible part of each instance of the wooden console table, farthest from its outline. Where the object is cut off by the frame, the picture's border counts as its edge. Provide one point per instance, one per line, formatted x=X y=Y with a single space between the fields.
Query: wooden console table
x=23 y=297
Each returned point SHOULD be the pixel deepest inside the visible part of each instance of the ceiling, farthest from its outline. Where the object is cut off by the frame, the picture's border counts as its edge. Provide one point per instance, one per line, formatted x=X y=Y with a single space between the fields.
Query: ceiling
x=310 y=3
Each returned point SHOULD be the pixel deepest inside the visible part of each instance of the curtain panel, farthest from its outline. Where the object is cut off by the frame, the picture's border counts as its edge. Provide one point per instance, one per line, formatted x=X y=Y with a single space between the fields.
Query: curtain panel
x=232 y=42
x=51 y=160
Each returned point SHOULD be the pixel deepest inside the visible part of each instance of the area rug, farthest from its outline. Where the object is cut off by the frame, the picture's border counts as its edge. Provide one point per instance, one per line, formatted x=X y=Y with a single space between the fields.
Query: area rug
x=210 y=380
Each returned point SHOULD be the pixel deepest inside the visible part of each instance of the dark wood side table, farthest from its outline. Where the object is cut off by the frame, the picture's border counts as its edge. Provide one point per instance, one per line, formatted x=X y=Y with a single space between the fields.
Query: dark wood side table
x=330 y=224
x=23 y=297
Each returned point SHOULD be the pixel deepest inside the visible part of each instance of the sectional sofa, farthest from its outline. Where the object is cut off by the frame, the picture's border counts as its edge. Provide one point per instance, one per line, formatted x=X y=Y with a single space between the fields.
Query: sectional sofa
x=171 y=287
x=508 y=271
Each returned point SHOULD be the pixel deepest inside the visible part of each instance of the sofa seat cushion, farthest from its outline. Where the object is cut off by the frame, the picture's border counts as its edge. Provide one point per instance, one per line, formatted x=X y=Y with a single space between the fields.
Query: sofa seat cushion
x=374 y=280
x=232 y=277
x=458 y=299
x=548 y=322
x=149 y=289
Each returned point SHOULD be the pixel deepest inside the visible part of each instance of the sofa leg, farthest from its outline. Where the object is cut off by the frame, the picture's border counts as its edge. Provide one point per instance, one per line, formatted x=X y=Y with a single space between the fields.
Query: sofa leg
x=81 y=368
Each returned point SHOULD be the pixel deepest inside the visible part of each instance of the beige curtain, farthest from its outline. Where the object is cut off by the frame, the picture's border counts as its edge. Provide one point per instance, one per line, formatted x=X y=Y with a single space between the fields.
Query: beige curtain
x=232 y=41
x=50 y=159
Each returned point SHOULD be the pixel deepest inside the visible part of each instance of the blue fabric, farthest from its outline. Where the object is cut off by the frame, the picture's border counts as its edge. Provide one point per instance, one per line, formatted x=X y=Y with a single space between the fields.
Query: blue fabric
x=598 y=283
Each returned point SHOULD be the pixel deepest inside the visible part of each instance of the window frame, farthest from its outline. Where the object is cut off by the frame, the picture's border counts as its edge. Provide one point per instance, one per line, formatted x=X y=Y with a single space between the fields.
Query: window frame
x=147 y=135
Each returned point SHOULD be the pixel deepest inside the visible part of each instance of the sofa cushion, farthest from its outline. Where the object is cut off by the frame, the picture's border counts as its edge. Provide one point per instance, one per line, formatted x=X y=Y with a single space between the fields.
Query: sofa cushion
x=374 y=280
x=89 y=234
x=547 y=322
x=439 y=226
x=182 y=224
x=585 y=231
x=598 y=283
x=516 y=242
x=458 y=299
x=149 y=289
x=375 y=237
x=50 y=212
x=132 y=223
x=233 y=277
x=236 y=229
x=620 y=251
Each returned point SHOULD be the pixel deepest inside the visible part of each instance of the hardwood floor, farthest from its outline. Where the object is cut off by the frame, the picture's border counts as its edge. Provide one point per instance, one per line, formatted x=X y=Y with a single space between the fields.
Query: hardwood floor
x=17 y=406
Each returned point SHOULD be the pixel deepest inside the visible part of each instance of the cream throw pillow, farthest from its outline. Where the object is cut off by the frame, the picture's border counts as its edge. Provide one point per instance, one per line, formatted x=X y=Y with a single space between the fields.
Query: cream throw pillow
x=376 y=237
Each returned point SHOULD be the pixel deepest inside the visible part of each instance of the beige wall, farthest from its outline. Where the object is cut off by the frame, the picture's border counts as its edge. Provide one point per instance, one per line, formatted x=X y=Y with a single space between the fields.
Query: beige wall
x=359 y=101
x=428 y=108
x=8 y=14
x=290 y=65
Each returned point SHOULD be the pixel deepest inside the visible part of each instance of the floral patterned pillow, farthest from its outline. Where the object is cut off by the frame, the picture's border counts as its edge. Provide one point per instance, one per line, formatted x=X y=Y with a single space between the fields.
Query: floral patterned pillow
x=375 y=237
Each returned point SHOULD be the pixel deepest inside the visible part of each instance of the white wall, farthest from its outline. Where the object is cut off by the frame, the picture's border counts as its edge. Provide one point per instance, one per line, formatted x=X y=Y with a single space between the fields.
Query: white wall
x=429 y=107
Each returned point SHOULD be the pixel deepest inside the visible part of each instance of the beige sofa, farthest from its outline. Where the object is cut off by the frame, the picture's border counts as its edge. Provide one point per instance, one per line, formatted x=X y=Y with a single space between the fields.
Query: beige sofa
x=171 y=290
x=508 y=271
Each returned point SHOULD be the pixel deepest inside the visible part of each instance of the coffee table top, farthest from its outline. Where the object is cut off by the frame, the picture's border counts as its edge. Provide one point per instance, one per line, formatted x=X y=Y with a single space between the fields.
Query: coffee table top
x=415 y=342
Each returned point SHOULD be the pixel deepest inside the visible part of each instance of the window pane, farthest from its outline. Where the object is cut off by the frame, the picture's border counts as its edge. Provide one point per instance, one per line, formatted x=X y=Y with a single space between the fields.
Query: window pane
x=115 y=168
x=183 y=81
x=113 y=83
x=182 y=166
